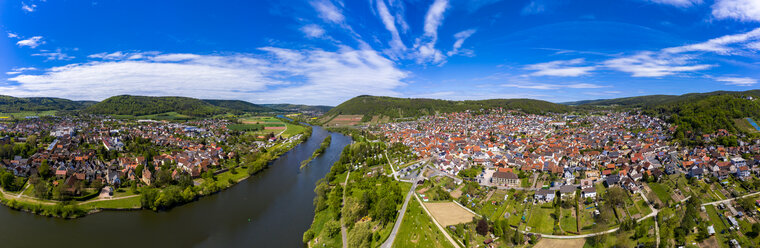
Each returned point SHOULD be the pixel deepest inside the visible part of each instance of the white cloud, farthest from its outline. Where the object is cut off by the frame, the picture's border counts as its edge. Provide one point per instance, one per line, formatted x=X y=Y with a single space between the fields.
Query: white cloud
x=649 y=64
x=313 y=31
x=28 y=7
x=277 y=75
x=738 y=81
x=534 y=7
x=554 y=86
x=56 y=55
x=12 y=35
x=742 y=10
x=31 y=42
x=561 y=68
x=390 y=24
x=679 y=3
x=328 y=11
x=721 y=45
x=20 y=70
x=461 y=36
x=426 y=45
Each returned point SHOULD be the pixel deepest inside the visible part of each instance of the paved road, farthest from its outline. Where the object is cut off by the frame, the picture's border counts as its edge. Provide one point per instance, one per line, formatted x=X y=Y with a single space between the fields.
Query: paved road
x=389 y=242
x=343 y=231
x=729 y=200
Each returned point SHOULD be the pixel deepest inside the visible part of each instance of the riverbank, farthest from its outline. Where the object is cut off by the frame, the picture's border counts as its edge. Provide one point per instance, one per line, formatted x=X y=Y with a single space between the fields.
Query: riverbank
x=322 y=147
x=135 y=198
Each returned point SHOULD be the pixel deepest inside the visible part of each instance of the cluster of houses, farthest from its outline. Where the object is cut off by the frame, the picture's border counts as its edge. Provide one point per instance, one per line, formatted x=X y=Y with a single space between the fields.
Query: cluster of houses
x=616 y=148
x=75 y=156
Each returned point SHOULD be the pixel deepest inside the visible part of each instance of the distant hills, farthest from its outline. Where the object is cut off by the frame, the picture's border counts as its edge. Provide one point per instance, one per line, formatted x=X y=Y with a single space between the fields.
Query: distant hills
x=392 y=107
x=9 y=104
x=148 y=105
x=298 y=108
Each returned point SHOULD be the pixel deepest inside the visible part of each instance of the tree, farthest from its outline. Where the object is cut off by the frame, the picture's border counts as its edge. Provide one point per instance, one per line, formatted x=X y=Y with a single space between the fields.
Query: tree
x=385 y=210
x=332 y=227
x=482 y=227
x=44 y=169
x=360 y=236
x=616 y=196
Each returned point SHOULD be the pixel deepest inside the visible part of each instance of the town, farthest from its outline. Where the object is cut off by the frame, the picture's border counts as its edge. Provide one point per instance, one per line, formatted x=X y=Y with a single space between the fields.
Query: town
x=582 y=176
x=55 y=160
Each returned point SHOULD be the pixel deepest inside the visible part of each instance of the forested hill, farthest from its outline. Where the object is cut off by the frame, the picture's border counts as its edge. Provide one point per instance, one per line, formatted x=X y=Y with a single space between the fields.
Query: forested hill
x=414 y=107
x=147 y=105
x=239 y=105
x=9 y=104
x=299 y=107
x=660 y=100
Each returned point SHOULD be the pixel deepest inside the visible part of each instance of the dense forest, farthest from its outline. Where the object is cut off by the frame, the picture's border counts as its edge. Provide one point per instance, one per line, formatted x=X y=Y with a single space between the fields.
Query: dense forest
x=414 y=107
x=242 y=106
x=147 y=105
x=9 y=104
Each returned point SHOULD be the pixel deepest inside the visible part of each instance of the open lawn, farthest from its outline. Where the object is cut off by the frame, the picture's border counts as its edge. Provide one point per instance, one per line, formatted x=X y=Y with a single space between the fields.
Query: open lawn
x=449 y=213
x=126 y=203
x=661 y=192
x=564 y=243
x=568 y=222
x=418 y=230
x=541 y=220
x=718 y=223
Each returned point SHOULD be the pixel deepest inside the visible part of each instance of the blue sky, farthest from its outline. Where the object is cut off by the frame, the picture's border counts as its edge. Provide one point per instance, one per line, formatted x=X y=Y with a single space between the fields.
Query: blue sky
x=327 y=51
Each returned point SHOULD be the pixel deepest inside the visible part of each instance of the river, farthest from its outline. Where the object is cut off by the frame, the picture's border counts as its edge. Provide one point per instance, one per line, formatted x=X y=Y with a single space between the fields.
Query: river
x=270 y=209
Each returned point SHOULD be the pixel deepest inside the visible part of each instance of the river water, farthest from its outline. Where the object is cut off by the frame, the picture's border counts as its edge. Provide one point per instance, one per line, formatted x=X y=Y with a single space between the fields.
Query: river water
x=270 y=209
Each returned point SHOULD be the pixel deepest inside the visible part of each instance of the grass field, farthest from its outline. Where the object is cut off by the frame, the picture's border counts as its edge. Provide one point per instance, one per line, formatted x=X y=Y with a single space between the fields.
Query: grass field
x=717 y=222
x=540 y=220
x=568 y=222
x=31 y=113
x=661 y=192
x=418 y=230
x=449 y=213
x=132 y=202
x=744 y=125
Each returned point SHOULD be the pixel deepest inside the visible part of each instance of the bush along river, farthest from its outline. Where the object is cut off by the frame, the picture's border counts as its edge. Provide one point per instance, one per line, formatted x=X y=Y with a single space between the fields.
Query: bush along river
x=272 y=208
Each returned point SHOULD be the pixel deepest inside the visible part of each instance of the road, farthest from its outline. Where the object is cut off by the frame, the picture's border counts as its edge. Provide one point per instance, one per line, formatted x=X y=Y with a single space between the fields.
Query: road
x=729 y=200
x=389 y=242
x=343 y=231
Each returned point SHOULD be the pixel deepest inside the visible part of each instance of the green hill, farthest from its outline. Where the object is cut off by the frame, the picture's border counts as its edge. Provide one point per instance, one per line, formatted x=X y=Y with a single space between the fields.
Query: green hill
x=299 y=107
x=9 y=104
x=148 y=105
x=414 y=107
x=239 y=105
x=659 y=100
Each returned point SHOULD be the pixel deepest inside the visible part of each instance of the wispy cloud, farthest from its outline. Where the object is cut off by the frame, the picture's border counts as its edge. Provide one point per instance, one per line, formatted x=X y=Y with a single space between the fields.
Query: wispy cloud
x=678 y=3
x=724 y=45
x=28 y=7
x=742 y=10
x=328 y=11
x=33 y=42
x=553 y=86
x=313 y=31
x=561 y=68
x=738 y=81
x=275 y=75
x=53 y=55
x=389 y=21
x=534 y=7
x=426 y=45
x=461 y=36
x=20 y=70
x=650 y=64
x=12 y=35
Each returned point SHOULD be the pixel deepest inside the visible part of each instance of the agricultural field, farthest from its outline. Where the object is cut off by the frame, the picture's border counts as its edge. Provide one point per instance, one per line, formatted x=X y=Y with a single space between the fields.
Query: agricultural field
x=344 y=120
x=449 y=213
x=564 y=243
x=265 y=125
x=24 y=114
